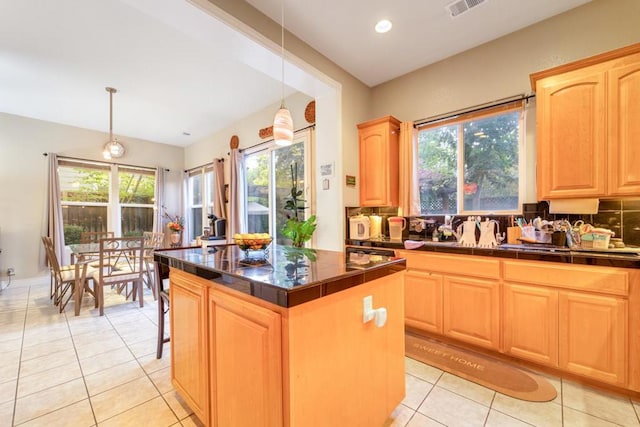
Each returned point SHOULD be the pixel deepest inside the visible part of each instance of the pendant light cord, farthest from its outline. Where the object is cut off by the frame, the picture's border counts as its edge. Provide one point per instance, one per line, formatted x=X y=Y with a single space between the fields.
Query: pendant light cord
x=111 y=92
x=282 y=47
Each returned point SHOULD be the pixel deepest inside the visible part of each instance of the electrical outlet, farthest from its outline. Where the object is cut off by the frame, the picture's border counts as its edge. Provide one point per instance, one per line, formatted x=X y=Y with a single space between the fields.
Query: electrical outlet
x=10 y=272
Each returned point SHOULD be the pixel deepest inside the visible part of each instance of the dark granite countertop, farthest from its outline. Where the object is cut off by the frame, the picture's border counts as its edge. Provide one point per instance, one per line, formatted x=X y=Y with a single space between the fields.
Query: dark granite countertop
x=283 y=275
x=521 y=252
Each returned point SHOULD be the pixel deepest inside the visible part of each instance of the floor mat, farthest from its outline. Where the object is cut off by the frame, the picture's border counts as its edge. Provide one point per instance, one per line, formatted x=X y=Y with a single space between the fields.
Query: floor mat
x=480 y=369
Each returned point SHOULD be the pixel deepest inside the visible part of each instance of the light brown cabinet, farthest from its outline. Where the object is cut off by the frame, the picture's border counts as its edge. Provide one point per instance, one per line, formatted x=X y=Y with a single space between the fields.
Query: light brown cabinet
x=240 y=361
x=423 y=301
x=379 y=161
x=245 y=348
x=531 y=323
x=461 y=303
x=624 y=129
x=189 y=345
x=593 y=336
x=586 y=130
x=472 y=311
x=577 y=319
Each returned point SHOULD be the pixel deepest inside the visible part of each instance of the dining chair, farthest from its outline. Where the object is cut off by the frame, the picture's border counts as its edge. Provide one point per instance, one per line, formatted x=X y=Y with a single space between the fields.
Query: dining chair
x=152 y=241
x=95 y=236
x=120 y=263
x=161 y=278
x=67 y=279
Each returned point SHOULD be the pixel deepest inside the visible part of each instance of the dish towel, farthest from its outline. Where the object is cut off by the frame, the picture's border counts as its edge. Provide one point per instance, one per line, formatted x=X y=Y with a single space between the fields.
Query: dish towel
x=413 y=244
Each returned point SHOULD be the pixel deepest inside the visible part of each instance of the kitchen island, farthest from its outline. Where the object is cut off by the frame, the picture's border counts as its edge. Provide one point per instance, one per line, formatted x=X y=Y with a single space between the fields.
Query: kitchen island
x=283 y=339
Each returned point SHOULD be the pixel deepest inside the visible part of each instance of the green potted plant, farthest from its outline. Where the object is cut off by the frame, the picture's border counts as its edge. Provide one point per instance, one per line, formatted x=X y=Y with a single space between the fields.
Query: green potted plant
x=297 y=229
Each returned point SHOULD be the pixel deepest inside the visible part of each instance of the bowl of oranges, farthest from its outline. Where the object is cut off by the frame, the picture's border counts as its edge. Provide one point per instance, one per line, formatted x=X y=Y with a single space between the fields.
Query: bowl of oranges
x=252 y=241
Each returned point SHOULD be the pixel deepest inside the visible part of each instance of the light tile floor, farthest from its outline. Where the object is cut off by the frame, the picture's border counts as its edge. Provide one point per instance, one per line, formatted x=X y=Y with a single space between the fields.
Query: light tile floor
x=61 y=370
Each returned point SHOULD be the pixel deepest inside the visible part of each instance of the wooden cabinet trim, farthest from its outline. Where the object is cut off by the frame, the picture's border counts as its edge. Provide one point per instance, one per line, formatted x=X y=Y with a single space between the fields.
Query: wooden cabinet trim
x=606 y=280
x=459 y=265
x=586 y=62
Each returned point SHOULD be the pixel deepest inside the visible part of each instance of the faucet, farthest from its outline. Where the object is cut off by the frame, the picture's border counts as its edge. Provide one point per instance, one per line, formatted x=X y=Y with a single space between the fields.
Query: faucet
x=447 y=229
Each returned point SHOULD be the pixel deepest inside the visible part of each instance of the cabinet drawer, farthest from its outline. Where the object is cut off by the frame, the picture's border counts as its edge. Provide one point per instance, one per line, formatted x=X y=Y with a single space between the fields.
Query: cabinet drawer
x=596 y=279
x=462 y=265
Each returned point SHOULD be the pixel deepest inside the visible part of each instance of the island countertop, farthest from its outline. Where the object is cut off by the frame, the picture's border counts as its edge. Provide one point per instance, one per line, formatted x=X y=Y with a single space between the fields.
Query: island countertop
x=283 y=275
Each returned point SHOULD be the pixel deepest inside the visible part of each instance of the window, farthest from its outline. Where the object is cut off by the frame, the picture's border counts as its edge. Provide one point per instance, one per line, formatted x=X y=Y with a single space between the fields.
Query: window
x=102 y=197
x=137 y=197
x=200 y=200
x=268 y=178
x=471 y=163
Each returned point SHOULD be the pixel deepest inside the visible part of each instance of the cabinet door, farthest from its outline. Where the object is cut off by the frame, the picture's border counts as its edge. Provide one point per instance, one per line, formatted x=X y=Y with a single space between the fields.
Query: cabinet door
x=593 y=331
x=571 y=143
x=189 y=353
x=423 y=301
x=624 y=130
x=471 y=311
x=378 y=144
x=246 y=378
x=531 y=323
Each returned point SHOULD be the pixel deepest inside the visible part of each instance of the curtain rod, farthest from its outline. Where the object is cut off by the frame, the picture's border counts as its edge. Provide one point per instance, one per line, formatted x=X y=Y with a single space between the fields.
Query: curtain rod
x=271 y=140
x=204 y=166
x=473 y=109
x=106 y=163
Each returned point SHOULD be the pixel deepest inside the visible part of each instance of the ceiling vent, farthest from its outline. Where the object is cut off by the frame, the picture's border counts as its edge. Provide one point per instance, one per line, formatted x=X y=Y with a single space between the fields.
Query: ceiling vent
x=461 y=6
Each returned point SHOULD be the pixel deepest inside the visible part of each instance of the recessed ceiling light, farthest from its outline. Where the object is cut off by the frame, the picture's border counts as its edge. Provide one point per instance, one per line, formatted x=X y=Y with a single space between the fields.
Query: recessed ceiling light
x=383 y=26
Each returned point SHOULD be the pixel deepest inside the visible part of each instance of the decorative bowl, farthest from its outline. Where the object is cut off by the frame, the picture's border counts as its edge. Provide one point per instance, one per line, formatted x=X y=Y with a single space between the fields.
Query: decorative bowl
x=254 y=242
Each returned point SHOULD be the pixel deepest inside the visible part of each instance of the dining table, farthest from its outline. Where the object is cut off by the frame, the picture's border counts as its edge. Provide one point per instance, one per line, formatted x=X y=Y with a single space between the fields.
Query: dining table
x=82 y=252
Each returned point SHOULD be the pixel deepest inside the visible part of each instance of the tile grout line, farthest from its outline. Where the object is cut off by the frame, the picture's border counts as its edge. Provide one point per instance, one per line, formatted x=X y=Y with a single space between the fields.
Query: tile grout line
x=24 y=327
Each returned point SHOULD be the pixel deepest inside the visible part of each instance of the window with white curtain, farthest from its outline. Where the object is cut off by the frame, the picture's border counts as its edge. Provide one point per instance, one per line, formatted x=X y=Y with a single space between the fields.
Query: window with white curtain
x=200 y=199
x=99 y=196
x=269 y=182
x=472 y=163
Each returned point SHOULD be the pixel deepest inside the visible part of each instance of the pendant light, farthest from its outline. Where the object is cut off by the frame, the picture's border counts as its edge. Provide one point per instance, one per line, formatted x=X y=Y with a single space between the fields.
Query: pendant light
x=282 y=123
x=112 y=149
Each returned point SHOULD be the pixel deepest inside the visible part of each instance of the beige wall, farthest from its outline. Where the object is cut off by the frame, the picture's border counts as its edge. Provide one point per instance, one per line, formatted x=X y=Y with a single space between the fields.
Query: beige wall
x=501 y=68
x=23 y=179
x=354 y=101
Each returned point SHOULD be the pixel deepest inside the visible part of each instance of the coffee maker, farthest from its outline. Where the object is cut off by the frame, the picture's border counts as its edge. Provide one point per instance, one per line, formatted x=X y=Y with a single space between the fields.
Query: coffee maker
x=218 y=227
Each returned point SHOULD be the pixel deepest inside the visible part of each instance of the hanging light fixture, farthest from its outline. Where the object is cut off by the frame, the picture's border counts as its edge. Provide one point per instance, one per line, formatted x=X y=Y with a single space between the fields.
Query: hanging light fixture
x=112 y=149
x=282 y=123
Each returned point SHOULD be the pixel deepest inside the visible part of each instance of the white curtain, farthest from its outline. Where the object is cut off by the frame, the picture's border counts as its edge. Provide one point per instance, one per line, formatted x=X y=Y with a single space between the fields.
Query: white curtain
x=237 y=196
x=54 y=226
x=218 y=190
x=158 y=225
x=409 y=186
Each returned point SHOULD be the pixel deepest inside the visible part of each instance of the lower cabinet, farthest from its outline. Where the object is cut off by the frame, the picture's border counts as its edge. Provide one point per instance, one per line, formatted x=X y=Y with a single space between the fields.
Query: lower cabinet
x=245 y=348
x=423 y=301
x=472 y=310
x=531 y=323
x=575 y=318
x=593 y=331
x=225 y=356
x=238 y=361
x=189 y=352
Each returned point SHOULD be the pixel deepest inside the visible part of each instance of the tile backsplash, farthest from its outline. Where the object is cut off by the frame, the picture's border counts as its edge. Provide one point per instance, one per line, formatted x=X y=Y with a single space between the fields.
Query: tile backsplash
x=619 y=215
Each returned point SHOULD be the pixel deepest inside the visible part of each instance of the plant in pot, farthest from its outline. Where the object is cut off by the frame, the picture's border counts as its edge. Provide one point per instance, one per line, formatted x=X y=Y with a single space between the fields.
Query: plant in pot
x=297 y=229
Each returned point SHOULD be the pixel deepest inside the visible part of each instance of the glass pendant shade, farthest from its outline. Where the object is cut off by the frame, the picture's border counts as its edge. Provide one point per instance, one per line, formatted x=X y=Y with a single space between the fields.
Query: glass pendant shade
x=112 y=149
x=283 y=127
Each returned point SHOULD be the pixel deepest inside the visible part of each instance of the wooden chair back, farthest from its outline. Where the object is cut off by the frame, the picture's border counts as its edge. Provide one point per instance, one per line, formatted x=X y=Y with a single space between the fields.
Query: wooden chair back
x=153 y=240
x=95 y=236
x=120 y=259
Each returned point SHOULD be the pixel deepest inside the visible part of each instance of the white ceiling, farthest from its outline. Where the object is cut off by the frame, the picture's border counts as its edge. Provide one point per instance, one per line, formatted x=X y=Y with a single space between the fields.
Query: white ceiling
x=422 y=33
x=178 y=70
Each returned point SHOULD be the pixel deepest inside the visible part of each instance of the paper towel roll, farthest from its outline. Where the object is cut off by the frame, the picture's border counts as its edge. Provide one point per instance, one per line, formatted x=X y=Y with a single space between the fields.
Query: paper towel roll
x=375 y=226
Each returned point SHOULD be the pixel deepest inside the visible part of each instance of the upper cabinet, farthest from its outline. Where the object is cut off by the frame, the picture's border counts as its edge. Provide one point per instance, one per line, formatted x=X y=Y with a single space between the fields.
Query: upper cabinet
x=379 y=161
x=586 y=138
